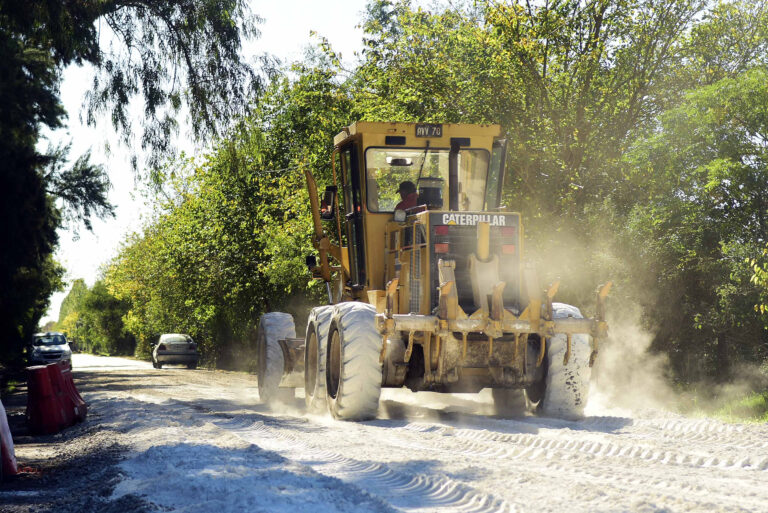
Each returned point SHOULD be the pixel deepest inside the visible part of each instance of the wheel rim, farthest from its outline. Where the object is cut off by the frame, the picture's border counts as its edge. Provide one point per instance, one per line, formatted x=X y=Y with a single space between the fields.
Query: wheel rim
x=334 y=364
x=310 y=368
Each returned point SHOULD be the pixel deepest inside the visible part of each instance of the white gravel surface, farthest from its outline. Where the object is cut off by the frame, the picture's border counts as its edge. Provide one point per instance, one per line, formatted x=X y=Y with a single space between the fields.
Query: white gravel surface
x=201 y=441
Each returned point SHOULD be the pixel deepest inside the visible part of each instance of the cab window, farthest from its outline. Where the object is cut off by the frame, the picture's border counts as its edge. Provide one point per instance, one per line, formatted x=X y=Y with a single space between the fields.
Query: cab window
x=427 y=169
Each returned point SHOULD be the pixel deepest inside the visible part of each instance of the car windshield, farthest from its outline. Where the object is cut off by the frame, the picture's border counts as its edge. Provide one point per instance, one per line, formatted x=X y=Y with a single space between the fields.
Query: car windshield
x=49 y=340
x=427 y=169
x=175 y=338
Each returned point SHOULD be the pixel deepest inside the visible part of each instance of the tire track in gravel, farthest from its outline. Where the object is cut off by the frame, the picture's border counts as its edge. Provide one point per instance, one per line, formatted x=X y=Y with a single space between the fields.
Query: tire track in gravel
x=520 y=446
x=588 y=460
x=407 y=491
x=551 y=459
x=451 y=459
x=646 y=448
x=708 y=430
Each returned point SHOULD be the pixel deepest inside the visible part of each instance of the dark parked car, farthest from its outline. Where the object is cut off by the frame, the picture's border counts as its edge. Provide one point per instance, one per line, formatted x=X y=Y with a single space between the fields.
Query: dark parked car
x=175 y=348
x=49 y=347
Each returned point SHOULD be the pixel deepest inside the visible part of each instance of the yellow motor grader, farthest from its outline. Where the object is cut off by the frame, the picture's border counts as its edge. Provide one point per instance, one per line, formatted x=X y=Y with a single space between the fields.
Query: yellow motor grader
x=427 y=286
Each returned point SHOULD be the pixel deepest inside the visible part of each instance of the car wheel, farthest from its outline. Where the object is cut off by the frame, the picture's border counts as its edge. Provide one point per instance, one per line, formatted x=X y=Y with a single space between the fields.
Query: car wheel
x=192 y=365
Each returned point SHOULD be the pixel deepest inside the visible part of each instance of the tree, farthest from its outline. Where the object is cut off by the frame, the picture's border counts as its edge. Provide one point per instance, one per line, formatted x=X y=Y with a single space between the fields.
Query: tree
x=94 y=319
x=171 y=53
x=636 y=153
x=73 y=301
x=702 y=181
x=233 y=228
x=570 y=81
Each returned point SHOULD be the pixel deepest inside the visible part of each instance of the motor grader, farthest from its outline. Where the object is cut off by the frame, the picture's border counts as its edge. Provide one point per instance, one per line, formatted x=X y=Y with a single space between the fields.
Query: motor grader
x=435 y=297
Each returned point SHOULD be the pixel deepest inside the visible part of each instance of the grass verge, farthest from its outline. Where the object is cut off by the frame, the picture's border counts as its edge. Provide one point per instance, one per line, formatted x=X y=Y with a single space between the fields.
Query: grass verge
x=750 y=408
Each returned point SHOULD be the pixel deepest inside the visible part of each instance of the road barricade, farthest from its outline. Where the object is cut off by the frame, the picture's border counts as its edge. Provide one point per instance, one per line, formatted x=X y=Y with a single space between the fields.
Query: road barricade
x=76 y=402
x=53 y=402
x=45 y=413
x=61 y=394
x=8 y=466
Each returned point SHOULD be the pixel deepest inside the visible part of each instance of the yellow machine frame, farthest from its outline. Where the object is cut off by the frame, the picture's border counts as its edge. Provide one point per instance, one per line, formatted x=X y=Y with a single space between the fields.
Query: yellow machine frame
x=484 y=344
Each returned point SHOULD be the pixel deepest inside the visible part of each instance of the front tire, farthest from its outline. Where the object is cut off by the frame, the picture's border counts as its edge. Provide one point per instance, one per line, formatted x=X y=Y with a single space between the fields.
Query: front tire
x=316 y=343
x=353 y=370
x=273 y=327
x=566 y=387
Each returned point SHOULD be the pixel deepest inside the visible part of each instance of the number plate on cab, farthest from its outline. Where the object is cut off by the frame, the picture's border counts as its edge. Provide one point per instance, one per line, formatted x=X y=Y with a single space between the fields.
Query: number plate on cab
x=429 y=130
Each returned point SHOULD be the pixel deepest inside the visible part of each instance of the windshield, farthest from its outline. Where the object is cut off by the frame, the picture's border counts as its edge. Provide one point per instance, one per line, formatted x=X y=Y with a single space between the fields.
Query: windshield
x=427 y=170
x=176 y=338
x=49 y=340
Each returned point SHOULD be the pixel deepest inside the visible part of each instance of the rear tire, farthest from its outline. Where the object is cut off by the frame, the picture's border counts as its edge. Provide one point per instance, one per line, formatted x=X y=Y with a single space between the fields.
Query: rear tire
x=509 y=402
x=192 y=366
x=273 y=327
x=316 y=343
x=353 y=371
x=566 y=387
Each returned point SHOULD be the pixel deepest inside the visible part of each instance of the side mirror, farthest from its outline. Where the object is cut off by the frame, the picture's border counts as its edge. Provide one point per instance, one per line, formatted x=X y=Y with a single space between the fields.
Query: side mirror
x=311 y=262
x=328 y=203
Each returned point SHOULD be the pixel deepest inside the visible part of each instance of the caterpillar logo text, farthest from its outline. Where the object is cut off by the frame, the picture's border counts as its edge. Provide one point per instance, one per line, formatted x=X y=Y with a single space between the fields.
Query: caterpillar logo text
x=473 y=219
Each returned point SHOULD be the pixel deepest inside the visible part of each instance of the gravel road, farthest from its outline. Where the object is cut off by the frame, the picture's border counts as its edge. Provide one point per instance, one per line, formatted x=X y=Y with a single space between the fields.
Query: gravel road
x=200 y=441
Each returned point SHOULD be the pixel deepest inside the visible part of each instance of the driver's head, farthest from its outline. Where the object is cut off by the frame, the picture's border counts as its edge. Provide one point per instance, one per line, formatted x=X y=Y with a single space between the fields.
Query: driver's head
x=406 y=188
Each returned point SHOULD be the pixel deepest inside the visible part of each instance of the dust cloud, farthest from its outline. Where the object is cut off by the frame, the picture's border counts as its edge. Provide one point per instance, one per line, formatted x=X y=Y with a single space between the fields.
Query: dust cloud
x=627 y=378
x=626 y=375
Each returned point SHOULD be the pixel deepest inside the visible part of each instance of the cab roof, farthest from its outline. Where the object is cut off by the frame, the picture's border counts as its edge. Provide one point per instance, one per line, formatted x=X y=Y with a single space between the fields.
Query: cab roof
x=409 y=129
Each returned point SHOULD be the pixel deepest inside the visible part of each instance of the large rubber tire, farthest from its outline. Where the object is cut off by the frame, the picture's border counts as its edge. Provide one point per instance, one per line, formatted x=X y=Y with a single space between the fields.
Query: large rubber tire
x=353 y=371
x=316 y=343
x=566 y=386
x=509 y=402
x=273 y=326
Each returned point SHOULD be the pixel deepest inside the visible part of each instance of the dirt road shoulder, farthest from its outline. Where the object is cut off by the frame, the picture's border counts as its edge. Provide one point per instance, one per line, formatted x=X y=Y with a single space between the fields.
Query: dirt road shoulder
x=75 y=470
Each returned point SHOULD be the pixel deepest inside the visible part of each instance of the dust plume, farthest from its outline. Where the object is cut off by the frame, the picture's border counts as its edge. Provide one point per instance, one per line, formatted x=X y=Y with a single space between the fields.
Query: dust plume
x=626 y=376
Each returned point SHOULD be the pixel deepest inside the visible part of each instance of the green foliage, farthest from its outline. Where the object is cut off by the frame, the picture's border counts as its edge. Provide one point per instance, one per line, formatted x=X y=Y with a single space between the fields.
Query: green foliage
x=751 y=408
x=81 y=188
x=93 y=320
x=571 y=82
x=732 y=39
x=73 y=302
x=172 y=53
x=637 y=137
x=232 y=230
x=168 y=53
x=703 y=180
x=759 y=278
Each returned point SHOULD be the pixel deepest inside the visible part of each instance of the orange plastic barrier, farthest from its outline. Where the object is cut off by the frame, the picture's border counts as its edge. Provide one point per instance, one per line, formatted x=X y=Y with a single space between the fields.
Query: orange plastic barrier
x=45 y=413
x=76 y=401
x=53 y=401
x=61 y=394
x=7 y=454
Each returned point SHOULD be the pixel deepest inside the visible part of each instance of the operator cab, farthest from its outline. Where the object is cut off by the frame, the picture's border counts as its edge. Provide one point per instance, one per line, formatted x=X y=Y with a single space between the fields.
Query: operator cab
x=458 y=172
